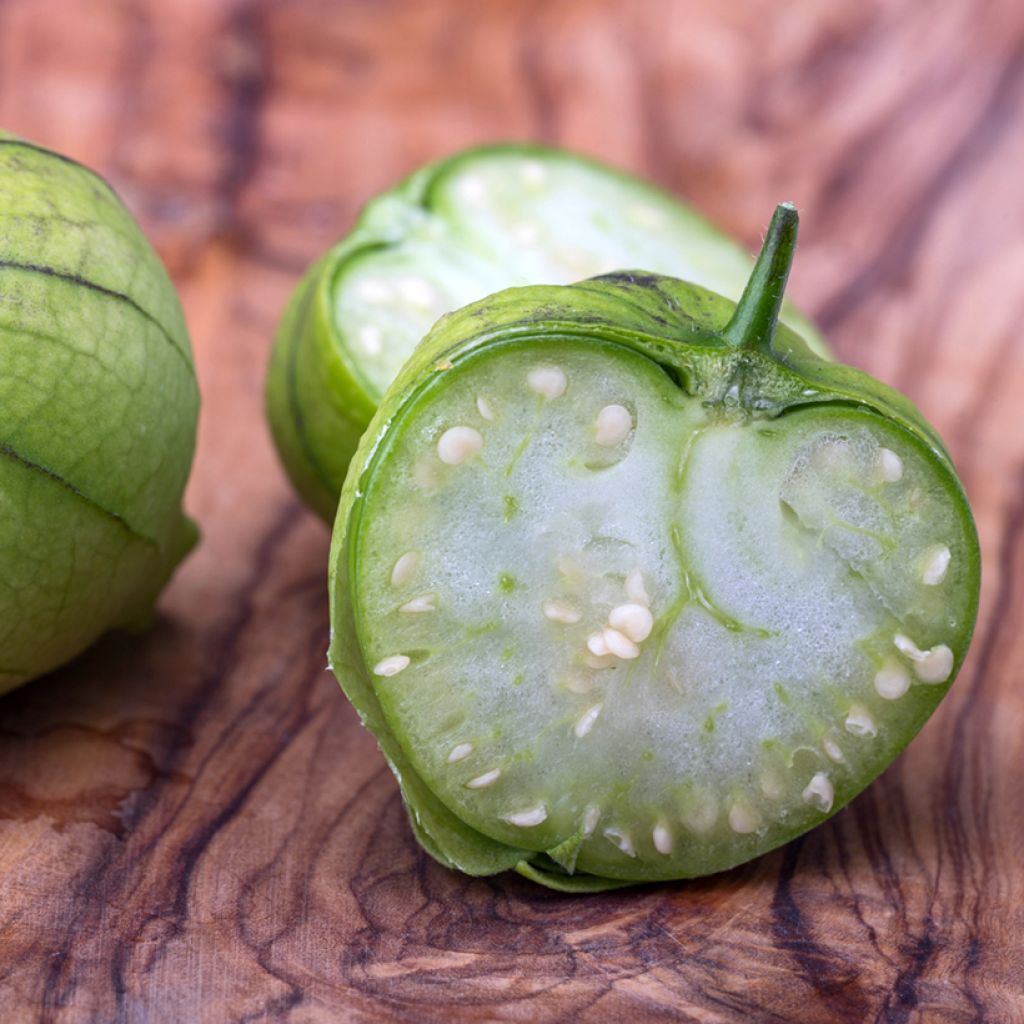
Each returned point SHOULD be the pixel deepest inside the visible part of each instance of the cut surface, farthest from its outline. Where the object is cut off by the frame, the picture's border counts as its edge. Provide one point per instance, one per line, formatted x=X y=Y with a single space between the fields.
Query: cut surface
x=498 y=218
x=610 y=623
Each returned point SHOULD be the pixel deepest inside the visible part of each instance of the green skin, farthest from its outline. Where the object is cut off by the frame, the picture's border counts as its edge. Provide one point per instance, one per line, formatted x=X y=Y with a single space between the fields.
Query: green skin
x=769 y=449
x=322 y=388
x=98 y=408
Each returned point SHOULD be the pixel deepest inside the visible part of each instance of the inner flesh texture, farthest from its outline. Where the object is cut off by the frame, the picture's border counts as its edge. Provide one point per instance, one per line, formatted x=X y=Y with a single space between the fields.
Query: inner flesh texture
x=779 y=560
x=498 y=220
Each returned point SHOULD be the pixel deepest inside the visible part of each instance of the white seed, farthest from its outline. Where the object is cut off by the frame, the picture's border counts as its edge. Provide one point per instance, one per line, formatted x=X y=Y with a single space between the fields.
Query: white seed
x=418 y=605
x=832 y=750
x=598 y=661
x=612 y=426
x=635 y=589
x=370 y=289
x=371 y=339
x=525 y=819
x=460 y=752
x=892 y=680
x=931 y=666
x=579 y=682
x=417 y=291
x=405 y=568
x=484 y=408
x=591 y=816
x=936 y=562
x=701 y=815
x=597 y=645
x=819 y=792
x=457 y=444
x=632 y=619
x=622 y=839
x=890 y=465
x=859 y=722
x=619 y=644
x=559 y=611
x=547 y=381
x=525 y=233
x=391 y=665
x=743 y=818
x=662 y=838
x=586 y=721
x=771 y=785
x=472 y=188
x=533 y=172
x=482 y=781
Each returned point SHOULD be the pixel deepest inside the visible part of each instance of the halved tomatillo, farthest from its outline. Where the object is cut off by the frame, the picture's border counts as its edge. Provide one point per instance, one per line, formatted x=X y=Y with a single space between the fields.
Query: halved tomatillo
x=630 y=585
x=457 y=230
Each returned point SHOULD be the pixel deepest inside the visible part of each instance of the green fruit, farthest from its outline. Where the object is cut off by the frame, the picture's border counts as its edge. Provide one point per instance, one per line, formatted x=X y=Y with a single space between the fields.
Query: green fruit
x=98 y=406
x=455 y=231
x=631 y=586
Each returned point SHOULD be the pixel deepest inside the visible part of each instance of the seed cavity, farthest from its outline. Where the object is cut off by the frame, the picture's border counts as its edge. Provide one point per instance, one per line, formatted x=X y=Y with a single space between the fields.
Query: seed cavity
x=559 y=611
x=635 y=620
x=370 y=289
x=619 y=644
x=534 y=172
x=586 y=721
x=371 y=339
x=484 y=408
x=405 y=568
x=525 y=233
x=612 y=426
x=591 y=816
x=859 y=722
x=635 y=589
x=460 y=752
x=622 y=839
x=743 y=819
x=418 y=605
x=931 y=666
x=417 y=291
x=578 y=682
x=391 y=665
x=701 y=815
x=457 y=444
x=890 y=465
x=472 y=188
x=662 y=838
x=936 y=563
x=485 y=780
x=892 y=680
x=771 y=785
x=529 y=817
x=547 y=381
x=819 y=792
x=832 y=750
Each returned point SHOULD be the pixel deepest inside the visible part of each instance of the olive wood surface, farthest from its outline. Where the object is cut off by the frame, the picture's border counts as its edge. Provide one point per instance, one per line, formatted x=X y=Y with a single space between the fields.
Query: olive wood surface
x=193 y=825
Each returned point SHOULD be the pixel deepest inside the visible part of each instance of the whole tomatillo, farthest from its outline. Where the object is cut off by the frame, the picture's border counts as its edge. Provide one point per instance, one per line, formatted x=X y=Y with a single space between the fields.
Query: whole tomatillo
x=631 y=586
x=98 y=407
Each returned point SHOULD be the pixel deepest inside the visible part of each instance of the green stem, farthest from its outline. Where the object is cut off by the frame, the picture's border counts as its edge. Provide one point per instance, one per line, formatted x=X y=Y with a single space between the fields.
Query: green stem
x=753 y=324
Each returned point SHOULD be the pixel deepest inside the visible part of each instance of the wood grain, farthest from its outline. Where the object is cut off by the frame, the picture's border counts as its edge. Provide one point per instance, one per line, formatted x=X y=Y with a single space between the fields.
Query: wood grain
x=193 y=826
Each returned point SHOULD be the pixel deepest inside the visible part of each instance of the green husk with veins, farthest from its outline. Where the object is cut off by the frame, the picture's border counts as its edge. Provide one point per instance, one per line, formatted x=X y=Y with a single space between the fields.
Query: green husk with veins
x=455 y=231
x=632 y=586
x=98 y=406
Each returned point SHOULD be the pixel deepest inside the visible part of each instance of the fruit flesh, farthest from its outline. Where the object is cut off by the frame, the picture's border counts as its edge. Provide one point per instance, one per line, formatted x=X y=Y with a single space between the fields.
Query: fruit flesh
x=779 y=562
x=456 y=231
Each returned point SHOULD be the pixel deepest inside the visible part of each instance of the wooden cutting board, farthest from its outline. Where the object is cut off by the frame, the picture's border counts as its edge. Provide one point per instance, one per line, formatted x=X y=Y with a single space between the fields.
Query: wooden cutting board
x=193 y=826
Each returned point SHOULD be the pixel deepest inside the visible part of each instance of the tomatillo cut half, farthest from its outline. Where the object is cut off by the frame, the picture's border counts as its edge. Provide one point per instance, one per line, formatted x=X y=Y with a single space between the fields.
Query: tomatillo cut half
x=98 y=409
x=456 y=231
x=631 y=586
